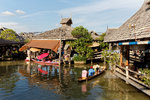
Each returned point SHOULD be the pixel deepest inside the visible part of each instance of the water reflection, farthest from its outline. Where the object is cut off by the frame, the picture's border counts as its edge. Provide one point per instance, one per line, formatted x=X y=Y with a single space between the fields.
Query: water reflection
x=38 y=82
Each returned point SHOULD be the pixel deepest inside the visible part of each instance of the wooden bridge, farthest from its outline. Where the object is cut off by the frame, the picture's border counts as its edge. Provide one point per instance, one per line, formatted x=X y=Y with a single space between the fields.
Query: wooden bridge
x=133 y=78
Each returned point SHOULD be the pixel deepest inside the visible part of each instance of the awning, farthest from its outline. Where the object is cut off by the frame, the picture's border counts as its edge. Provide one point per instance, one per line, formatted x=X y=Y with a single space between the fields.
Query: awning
x=134 y=43
x=34 y=49
x=94 y=44
x=46 y=44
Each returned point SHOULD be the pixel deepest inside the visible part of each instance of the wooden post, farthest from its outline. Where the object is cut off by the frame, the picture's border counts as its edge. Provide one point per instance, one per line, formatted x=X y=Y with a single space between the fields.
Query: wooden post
x=110 y=47
x=105 y=61
x=121 y=49
x=69 y=60
x=91 y=61
x=127 y=56
x=115 y=68
x=29 y=54
x=60 y=51
x=127 y=74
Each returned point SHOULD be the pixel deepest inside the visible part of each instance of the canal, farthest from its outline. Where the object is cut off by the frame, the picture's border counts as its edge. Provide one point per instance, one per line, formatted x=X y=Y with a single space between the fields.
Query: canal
x=22 y=81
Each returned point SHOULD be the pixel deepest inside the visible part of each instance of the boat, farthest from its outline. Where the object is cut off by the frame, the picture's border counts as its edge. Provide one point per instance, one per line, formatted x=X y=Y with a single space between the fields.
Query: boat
x=80 y=79
x=46 y=62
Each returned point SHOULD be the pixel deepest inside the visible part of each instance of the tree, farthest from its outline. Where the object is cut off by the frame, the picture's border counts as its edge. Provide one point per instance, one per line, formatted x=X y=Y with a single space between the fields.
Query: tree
x=81 y=43
x=103 y=45
x=9 y=34
x=80 y=32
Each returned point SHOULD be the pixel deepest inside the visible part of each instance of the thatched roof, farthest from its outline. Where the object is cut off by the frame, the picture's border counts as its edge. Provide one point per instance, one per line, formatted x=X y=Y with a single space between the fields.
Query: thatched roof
x=55 y=34
x=110 y=35
x=94 y=35
x=138 y=25
x=66 y=20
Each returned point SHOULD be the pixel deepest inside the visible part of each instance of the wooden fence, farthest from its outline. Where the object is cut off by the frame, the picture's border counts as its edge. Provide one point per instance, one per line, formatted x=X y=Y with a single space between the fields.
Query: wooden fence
x=132 y=78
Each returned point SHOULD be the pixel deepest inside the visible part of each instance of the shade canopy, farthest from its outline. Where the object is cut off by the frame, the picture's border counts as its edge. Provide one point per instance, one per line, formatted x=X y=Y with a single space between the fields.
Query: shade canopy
x=94 y=44
x=34 y=49
x=45 y=44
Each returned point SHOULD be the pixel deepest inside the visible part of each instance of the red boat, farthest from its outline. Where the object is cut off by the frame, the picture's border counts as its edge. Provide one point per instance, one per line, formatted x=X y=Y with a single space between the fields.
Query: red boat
x=46 y=62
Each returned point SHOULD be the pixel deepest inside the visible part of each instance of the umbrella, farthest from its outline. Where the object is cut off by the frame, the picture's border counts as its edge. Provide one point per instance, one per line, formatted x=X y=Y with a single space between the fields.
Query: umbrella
x=43 y=55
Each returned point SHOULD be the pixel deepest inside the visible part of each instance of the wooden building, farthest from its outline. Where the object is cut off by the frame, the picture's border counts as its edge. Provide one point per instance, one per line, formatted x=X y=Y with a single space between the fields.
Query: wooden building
x=133 y=39
x=62 y=34
x=9 y=48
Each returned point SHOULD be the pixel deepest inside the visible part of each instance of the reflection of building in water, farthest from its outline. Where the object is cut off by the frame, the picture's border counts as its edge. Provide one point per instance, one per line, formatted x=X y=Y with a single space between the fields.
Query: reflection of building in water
x=60 y=80
x=8 y=78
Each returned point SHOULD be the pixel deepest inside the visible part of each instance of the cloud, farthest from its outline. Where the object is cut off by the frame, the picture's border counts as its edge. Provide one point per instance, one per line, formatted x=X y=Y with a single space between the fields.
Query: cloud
x=7 y=13
x=15 y=26
x=20 y=12
x=8 y=24
x=100 y=6
x=38 y=14
x=97 y=14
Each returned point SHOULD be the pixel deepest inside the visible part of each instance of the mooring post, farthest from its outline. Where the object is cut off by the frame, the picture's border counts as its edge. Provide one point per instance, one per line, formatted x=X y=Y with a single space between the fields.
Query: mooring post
x=127 y=74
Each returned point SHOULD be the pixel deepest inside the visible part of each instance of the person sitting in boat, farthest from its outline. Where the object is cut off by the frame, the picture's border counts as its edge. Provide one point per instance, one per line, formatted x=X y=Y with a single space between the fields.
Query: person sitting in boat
x=84 y=73
x=91 y=71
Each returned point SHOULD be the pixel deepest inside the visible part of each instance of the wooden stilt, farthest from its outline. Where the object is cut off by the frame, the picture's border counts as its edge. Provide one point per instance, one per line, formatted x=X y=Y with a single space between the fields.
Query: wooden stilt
x=121 y=49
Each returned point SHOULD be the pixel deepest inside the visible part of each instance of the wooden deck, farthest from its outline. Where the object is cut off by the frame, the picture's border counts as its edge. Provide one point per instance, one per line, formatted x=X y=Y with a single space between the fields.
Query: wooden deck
x=134 y=82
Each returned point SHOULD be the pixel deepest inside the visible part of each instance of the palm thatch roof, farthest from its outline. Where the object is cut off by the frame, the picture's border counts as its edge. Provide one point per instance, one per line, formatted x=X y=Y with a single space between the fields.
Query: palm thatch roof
x=94 y=35
x=138 y=26
x=110 y=35
x=65 y=33
x=66 y=20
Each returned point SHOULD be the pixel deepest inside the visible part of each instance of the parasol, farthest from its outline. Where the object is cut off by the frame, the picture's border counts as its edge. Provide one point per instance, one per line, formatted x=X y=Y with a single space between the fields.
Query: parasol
x=43 y=55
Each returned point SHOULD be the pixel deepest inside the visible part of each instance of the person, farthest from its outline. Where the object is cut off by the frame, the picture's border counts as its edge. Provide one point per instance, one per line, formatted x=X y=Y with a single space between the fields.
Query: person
x=91 y=71
x=84 y=73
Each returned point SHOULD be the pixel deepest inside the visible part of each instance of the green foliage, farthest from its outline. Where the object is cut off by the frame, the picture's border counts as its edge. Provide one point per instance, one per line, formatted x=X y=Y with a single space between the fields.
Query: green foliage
x=146 y=76
x=79 y=58
x=101 y=41
x=82 y=42
x=9 y=34
x=110 y=57
x=80 y=32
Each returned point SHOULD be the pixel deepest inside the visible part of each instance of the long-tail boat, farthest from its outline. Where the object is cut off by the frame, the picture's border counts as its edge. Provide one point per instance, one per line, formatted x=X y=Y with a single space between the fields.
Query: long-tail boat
x=80 y=79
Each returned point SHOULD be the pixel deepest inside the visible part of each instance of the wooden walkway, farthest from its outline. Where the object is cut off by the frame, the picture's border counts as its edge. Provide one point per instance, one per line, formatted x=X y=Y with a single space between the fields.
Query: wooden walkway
x=134 y=82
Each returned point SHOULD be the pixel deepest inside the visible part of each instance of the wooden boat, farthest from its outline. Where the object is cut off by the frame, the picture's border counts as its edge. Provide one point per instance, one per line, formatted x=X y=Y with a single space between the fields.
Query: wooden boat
x=45 y=63
x=90 y=77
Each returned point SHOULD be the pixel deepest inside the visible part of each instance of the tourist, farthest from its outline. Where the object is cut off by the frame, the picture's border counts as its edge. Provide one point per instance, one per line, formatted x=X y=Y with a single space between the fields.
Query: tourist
x=84 y=73
x=91 y=71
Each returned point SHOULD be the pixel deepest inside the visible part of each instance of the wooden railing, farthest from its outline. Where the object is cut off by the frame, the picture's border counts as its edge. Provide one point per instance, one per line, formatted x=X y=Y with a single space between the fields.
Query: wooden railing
x=130 y=74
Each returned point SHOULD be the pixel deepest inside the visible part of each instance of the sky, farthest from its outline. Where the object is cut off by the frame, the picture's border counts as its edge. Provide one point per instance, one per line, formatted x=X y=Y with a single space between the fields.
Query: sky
x=43 y=15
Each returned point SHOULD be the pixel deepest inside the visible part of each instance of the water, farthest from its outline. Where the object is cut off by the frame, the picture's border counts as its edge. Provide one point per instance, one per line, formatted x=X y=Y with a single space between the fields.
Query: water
x=22 y=81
